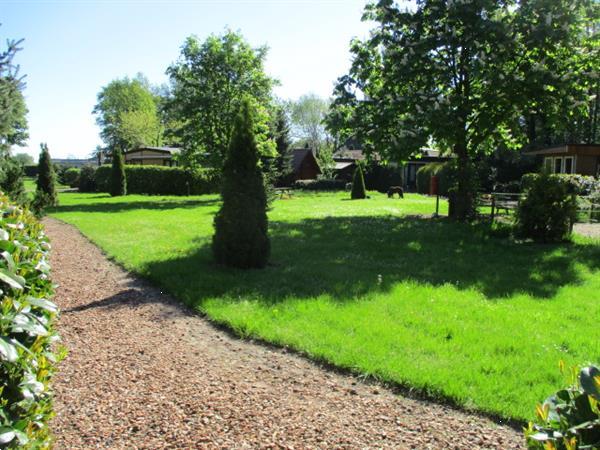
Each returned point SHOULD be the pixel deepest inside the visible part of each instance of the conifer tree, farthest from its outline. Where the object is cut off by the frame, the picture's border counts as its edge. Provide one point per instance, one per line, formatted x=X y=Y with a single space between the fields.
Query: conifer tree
x=46 y=180
x=358 y=184
x=241 y=229
x=118 y=182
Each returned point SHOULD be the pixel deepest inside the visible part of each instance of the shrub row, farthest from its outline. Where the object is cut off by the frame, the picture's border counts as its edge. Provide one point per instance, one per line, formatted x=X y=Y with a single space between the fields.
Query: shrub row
x=579 y=184
x=441 y=170
x=152 y=180
x=26 y=330
x=323 y=184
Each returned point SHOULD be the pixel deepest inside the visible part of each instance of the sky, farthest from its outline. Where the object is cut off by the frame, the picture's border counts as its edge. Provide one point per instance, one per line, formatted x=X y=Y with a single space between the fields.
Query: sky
x=73 y=48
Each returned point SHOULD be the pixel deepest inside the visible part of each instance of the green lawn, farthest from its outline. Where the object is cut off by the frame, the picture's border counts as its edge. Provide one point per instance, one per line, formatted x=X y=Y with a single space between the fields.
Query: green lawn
x=368 y=285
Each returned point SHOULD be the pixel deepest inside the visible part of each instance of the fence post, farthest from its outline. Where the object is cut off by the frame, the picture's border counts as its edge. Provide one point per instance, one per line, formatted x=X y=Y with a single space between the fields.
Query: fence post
x=493 y=207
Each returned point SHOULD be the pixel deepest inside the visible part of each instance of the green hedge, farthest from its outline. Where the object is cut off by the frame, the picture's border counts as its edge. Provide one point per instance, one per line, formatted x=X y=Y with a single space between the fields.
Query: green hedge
x=27 y=361
x=441 y=170
x=323 y=184
x=159 y=180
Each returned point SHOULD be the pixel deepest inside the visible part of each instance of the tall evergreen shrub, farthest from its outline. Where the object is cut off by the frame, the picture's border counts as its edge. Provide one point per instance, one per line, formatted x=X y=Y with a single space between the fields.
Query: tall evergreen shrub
x=118 y=181
x=241 y=228
x=358 y=184
x=46 y=181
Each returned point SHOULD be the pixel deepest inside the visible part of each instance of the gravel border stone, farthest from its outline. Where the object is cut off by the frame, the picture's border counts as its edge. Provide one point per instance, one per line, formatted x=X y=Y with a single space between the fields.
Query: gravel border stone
x=144 y=372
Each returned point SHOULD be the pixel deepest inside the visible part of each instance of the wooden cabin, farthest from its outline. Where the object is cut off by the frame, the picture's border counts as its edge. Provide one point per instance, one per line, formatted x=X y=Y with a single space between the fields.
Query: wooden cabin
x=152 y=156
x=583 y=159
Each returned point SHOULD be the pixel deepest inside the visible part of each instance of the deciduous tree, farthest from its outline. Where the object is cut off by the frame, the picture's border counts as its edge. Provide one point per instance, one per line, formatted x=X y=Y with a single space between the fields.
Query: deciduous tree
x=459 y=72
x=208 y=84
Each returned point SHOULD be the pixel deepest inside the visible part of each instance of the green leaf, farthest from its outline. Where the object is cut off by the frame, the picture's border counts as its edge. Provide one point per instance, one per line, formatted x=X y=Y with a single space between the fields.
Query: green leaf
x=43 y=303
x=9 y=260
x=13 y=280
x=6 y=435
x=8 y=352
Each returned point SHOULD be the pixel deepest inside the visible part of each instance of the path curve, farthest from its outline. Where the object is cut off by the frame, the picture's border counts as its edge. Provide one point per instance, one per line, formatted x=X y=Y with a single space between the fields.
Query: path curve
x=144 y=372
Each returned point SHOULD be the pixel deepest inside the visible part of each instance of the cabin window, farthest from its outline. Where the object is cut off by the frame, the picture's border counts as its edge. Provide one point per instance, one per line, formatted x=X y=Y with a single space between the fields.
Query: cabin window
x=558 y=165
x=568 y=168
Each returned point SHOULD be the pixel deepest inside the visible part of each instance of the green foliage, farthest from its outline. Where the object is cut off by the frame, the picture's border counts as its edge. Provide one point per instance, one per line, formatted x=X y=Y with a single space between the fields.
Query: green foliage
x=283 y=145
x=321 y=184
x=46 y=181
x=548 y=211
x=569 y=419
x=127 y=114
x=11 y=180
x=459 y=74
x=241 y=229
x=70 y=176
x=209 y=82
x=26 y=330
x=308 y=114
x=24 y=159
x=441 y=170
x=13 y=111
x=158 y=180
x=87 y=179
x=358 y=184
x=118 y=180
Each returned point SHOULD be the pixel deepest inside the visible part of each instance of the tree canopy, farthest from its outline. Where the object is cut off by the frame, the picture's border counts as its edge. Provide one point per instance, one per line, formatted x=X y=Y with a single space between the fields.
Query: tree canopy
x=208 y=84
x=127 y=114
x=461 y=73
x=13 y=111
x=308 y=114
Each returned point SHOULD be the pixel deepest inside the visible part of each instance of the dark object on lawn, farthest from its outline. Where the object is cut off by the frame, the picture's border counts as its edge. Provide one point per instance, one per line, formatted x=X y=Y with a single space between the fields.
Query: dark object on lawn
x=395 y=190
x=241 y=229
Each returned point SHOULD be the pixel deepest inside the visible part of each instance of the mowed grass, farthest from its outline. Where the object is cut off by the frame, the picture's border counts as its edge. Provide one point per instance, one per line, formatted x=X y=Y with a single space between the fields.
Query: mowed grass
x=444 y=308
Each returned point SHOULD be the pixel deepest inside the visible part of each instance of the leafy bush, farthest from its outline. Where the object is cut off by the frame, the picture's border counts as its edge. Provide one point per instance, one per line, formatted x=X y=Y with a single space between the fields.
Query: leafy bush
x=380 y=178
x=118 y=180
x=26 y=330
x=241 y=228
x=87 y=179
x=580 y=184
x=358 y=184
x=548 y=211
x=70 y=177
x=31 y=170
x=510 y=187
x=323 y=184
x=11 y=180
x=444 y=173
x=569 y=419
x=160 y=180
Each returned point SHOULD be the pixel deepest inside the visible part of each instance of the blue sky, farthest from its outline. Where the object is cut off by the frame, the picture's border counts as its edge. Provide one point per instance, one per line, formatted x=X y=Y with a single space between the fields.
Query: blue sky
x=73 y=48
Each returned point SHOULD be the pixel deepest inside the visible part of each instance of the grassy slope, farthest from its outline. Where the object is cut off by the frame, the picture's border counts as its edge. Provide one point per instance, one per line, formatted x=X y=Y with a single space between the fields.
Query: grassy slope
x=430 y=304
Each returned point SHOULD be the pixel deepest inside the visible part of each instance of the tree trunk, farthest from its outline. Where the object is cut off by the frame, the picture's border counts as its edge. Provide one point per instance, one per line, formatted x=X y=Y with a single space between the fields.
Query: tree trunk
x=462 y=199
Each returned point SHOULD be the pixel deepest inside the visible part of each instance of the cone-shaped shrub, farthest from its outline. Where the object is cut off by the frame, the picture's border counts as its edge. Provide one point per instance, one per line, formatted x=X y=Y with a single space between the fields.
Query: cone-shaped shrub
x=118 y=182
x=241 y=229
x=46 y=180
x=358 y=184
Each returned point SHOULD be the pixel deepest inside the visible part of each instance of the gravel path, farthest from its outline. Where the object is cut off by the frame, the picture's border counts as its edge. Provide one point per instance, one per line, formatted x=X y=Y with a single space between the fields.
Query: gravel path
x=144 y=372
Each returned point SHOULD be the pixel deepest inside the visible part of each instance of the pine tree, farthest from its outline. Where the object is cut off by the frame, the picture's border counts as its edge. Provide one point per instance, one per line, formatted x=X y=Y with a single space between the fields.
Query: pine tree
x=358 y=184
x=241 y=228
x=118 y=182
x=283 y=144
x=46 y=180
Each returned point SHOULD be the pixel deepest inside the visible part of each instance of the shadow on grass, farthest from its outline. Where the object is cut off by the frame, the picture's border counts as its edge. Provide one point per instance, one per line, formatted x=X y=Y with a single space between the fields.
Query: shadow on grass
x=348 y=257
x=115 y=207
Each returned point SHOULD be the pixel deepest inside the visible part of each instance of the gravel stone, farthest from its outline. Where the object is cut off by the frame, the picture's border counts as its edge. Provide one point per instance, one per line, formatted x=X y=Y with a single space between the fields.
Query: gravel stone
x=144 y=372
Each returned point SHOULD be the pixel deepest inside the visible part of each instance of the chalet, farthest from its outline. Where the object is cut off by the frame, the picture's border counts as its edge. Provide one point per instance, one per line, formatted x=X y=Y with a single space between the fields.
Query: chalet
x=583 y=159
x=304 y=165
x=152 y=156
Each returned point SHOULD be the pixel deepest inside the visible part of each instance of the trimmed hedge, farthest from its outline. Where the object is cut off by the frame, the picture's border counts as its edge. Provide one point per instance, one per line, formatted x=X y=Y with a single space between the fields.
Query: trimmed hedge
x=324 y=184
x=441 y=170
x=160 y=180
x=27 y=361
